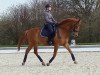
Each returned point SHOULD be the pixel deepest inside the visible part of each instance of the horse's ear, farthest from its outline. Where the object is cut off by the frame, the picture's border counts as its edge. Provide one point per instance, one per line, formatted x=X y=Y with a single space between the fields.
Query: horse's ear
x=80 y=20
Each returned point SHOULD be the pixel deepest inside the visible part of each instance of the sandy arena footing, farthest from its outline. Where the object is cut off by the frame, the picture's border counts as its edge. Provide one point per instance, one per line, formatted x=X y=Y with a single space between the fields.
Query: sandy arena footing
x=88 y=64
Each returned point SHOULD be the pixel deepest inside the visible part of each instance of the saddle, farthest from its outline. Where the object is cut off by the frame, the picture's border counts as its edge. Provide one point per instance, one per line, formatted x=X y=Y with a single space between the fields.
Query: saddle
x=45 y=32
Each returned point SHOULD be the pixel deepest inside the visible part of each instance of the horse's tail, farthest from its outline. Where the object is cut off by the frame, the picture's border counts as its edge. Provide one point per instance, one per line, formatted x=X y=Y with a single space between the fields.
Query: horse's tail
x=22 y=39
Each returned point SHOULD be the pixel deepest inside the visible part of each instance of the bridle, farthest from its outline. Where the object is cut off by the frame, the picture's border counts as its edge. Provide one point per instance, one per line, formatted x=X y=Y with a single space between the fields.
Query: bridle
x=75 y=30
x=75 y=26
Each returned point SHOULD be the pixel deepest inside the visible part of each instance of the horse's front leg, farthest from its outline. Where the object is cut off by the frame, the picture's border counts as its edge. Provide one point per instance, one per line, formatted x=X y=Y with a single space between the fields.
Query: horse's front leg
x=54 y=54
x=70 y=51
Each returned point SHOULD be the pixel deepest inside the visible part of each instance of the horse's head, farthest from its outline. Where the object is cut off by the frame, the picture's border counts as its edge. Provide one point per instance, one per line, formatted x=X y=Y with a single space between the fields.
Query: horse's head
x=71 y=24
x=76 y=28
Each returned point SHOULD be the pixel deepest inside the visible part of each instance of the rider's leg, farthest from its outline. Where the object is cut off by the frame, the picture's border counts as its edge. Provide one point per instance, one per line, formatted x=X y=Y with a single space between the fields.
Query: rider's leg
x=51 y=28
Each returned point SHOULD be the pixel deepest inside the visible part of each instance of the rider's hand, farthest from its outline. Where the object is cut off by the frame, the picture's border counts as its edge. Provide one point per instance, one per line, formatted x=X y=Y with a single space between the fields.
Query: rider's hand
x=57 y=23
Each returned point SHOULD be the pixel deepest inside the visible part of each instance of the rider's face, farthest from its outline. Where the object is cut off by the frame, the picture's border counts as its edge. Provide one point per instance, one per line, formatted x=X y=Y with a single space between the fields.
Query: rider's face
x=49 y=8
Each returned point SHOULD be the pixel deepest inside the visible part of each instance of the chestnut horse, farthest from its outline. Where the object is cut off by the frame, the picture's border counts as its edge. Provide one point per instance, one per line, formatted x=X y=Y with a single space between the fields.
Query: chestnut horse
x=34 y=38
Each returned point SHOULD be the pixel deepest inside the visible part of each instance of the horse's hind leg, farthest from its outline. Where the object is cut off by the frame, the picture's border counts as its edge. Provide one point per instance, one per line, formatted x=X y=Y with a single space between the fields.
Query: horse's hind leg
x=26 y=53
x=70 y=51
x=54 y=54
x=36 y=53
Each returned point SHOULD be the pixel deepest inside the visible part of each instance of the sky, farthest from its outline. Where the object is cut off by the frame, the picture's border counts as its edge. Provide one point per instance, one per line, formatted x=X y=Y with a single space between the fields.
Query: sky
x=5 y=4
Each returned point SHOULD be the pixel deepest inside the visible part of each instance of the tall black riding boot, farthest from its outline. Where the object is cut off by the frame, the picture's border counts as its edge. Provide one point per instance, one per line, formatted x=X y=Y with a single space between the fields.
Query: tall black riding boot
x=50 y=41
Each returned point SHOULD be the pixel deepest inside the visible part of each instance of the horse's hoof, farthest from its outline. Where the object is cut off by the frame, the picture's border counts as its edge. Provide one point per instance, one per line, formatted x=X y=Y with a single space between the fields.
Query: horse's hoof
x=23 y=64
x=75 y=62
x=48 y=64
x=43 y=63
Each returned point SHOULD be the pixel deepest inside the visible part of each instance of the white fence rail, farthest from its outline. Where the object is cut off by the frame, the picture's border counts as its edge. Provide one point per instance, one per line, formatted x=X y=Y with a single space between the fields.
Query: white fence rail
x=77 y=48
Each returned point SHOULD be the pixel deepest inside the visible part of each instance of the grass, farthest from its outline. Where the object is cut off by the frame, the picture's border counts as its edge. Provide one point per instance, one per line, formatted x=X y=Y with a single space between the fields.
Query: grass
x=12 y=45
x=97 y=43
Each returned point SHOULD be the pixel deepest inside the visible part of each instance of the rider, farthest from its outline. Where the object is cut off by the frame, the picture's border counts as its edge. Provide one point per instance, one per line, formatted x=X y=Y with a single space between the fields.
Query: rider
x=50 y=23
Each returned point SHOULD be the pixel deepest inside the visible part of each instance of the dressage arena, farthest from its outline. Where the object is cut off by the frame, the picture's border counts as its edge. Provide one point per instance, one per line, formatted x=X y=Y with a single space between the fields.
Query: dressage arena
x=88 y=59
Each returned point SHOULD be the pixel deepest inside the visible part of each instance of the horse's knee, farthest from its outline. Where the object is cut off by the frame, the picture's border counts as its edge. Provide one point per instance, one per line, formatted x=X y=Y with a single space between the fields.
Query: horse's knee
x=68 y=48
x=35 y=53
x=54 y=55
x=27 y=51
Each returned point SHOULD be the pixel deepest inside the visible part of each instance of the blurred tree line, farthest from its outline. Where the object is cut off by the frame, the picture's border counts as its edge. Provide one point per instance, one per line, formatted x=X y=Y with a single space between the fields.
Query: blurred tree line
x=22 y=17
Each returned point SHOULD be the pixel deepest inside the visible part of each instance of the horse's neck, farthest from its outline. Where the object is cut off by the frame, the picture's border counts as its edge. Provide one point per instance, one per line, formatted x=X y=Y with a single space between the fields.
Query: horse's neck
x=67 y=28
